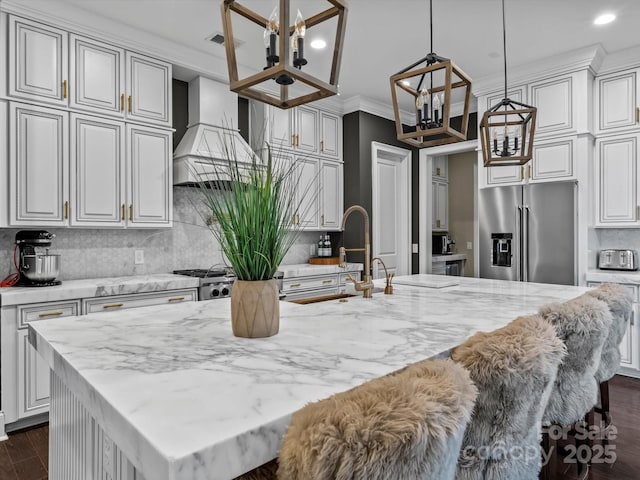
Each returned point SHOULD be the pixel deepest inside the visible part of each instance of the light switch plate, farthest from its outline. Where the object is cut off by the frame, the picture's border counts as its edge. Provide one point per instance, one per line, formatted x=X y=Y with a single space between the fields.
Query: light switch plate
x=469 y=245
x=138 y=257
x=414 y=248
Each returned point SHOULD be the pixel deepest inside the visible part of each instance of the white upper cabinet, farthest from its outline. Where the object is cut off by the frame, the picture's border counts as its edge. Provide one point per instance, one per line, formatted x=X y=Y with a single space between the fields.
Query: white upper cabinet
x=617 y=181
x=97 y=76
x=617 y=102
x=148 y=89
x=554 y=100
x=306 y=129
x=331 y=194
x=440 y=206
x=149 y=186
x=307 y=174
x=38 y=166
x=97 y=170
x=37 y=61
x=279 y=124
x=330 y=135
x=552 y=160
x=439 y=166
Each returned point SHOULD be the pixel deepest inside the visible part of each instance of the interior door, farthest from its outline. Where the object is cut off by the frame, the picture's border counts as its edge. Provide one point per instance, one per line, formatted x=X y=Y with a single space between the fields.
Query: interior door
x=391 y=210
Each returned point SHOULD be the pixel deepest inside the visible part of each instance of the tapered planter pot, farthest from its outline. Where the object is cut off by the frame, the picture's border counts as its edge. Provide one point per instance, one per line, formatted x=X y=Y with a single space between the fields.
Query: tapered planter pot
x=255 y=308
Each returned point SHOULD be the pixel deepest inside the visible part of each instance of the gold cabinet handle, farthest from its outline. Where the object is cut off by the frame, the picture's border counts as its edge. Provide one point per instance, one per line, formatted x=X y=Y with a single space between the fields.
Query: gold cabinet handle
x=297 y=140
x=637 y=114
x=437 y=223
x=122 y=102
x=438 y=171
x=294 y=285
x=130 y=103
x=293 y=139
x=50 y=314
x=122 y=214
x=113 y=305
x=322 y=146
x=530 y=172
x=64 y=89
x=131 y=212
x=176 y=299
x=327 y=281
x=66 y=210
x=521 y=173
x=322 y=219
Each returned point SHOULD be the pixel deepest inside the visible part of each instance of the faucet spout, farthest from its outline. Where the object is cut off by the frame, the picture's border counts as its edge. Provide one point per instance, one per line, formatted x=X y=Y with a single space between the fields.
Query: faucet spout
x=388 y=289
x=366 y=285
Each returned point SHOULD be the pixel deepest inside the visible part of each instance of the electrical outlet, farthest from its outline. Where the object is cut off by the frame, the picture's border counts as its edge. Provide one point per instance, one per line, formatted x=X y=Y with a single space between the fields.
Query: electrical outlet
x=414 y=248
x=138 y=258
x=469 y=245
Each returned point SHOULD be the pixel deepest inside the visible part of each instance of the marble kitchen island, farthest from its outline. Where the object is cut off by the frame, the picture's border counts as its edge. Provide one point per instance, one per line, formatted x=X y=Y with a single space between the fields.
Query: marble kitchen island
x=168 y=391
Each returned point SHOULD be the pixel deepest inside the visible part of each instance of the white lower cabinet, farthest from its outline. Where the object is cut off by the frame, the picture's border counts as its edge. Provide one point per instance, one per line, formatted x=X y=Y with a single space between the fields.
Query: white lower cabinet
x=630 y=345
x=440 y=205
x=298 y=288
x=24 y=375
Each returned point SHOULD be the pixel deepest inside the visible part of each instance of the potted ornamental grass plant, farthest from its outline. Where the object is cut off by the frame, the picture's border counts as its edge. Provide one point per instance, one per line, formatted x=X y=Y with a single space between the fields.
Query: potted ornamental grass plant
x=251 y=197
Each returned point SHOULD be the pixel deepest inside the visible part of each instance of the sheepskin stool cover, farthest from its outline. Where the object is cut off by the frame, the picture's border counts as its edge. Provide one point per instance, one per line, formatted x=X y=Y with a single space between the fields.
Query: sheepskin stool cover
x=406 y=426
x=583 y=325
x=514 y=369
x=619 y=300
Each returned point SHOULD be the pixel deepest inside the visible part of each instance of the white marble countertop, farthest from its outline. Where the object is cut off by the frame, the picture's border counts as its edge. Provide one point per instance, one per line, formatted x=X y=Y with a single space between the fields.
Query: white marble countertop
x=615 y=276
x=186 y=400
x=448 y=258
x=307 y=270
x=95 y=287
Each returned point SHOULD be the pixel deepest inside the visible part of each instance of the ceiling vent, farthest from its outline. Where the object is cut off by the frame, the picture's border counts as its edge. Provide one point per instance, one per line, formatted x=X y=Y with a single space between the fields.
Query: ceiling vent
x=218 y=39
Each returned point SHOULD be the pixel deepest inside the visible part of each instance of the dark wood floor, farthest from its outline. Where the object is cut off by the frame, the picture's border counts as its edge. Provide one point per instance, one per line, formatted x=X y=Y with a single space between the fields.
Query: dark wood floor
x=25 y=455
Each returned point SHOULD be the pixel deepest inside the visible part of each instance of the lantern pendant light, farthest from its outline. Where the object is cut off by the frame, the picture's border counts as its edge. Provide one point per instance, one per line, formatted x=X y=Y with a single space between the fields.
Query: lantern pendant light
x=431 y=84
x=507 y=128
x=280 y=41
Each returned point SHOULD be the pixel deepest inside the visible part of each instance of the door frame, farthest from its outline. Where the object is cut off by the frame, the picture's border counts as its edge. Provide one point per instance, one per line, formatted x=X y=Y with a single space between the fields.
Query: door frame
x=425 y=192
x=405 y=160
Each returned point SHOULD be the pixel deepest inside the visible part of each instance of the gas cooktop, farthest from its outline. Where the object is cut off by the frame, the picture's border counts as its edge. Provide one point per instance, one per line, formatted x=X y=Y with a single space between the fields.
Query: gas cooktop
x=206 y=273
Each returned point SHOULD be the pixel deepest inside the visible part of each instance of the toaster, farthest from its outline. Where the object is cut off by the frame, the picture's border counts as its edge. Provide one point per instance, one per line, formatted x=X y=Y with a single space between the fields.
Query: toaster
x=618 y=260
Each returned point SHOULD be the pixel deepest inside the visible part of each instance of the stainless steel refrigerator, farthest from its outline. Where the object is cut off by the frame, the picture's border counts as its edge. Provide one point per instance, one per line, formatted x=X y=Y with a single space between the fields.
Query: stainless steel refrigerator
x=527 y=232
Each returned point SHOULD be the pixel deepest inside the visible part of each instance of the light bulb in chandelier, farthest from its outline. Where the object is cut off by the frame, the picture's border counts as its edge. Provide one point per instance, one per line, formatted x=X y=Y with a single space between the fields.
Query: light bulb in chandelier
x=297 y=42
x=271 y=37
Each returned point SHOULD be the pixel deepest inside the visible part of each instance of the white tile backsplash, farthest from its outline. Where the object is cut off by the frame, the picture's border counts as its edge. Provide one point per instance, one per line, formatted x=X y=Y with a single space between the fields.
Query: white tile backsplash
x=95 y=253
x=619 y=238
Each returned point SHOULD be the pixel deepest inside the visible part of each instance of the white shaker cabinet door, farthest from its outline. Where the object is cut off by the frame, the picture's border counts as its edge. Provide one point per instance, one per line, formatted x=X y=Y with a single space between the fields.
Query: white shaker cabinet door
x=617 y=180
x=331 y=197
x=37 y=61
x=33 y=379
x=307 y=129
x=440 y=205
x=97 y=76
x=149 y=177
x=148 y=89
x=308 y=194
x=38 y=166
x=330 y=135
x=97 y=171
x=280 y=125
x=617 y=102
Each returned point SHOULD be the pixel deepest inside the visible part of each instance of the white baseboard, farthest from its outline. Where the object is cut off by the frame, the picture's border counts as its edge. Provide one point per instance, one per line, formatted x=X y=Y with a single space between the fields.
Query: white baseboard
x=3 y=434
x=629 y=372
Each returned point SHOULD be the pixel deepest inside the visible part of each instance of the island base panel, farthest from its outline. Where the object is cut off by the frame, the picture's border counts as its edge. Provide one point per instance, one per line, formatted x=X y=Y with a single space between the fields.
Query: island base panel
x=78 y=448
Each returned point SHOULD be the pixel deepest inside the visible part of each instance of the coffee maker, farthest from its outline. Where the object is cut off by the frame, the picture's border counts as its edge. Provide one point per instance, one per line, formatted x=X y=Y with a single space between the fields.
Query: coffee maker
x=37 y=267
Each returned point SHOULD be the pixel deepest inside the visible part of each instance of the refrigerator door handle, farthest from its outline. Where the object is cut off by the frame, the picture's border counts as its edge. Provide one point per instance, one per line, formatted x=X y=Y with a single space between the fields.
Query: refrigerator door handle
x=525 y=249
x=518 y=243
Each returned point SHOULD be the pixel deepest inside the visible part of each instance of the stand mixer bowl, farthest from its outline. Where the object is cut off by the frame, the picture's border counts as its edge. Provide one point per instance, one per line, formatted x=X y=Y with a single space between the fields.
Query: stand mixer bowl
x=40 y=267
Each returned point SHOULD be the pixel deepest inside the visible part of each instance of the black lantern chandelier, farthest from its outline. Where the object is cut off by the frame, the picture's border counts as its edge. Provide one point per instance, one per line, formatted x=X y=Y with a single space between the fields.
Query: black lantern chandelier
x=507 y=129
x=281 y=43
x=431 y=83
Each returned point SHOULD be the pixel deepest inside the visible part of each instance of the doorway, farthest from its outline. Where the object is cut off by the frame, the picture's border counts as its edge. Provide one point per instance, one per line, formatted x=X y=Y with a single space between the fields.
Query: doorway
x=391 y=209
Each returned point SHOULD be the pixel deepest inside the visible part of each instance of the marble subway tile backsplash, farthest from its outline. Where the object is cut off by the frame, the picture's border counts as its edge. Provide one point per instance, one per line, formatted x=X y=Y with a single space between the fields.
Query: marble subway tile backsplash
x=95 y=253
x=619 y=238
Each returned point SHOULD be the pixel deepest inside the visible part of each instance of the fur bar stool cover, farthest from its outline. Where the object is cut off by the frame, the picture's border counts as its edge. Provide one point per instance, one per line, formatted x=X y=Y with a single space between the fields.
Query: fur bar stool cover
x=514 y=369
x=406 y=426
x=583 y=325
x=620 y=301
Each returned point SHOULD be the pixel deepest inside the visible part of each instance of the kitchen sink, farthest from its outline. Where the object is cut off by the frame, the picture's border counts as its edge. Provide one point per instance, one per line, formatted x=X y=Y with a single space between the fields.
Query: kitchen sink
x=337 y=296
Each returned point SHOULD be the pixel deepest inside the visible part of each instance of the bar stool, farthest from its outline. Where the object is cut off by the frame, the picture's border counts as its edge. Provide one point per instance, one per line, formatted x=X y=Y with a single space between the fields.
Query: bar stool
x=514 y=369
x=583 y=324
x=404 y=426
x=619 y=301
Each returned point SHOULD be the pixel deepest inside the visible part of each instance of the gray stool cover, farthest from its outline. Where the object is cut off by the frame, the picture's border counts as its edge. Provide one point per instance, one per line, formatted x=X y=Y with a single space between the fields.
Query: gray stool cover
x=583 y=325
x=514 y=369
x=619 y=300
x=406 y=426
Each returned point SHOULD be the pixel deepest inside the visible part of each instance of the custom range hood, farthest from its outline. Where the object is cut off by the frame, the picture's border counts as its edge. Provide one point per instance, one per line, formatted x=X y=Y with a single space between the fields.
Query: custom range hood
x=213 y=112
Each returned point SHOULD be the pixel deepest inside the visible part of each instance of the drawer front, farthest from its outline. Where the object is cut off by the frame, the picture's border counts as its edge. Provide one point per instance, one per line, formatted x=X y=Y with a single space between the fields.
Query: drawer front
x=320 y=292
x=121 y=302
x=42 y=311
x=307 y=283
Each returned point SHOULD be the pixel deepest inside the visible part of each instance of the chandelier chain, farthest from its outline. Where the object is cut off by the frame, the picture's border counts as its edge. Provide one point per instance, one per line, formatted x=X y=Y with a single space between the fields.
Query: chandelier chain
x=504 y=49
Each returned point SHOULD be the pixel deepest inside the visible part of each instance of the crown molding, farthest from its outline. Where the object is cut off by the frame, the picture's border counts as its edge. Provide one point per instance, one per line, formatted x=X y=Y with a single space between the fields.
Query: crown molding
x=622 y=59
x=589 y=58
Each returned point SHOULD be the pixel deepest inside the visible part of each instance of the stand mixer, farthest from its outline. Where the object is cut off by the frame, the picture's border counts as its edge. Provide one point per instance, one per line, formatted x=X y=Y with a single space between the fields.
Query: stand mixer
x=37 y=267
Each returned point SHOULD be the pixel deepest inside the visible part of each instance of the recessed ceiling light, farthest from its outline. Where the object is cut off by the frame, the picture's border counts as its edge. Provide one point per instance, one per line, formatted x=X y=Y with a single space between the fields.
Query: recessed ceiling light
x=604 y=19
x=318 y=44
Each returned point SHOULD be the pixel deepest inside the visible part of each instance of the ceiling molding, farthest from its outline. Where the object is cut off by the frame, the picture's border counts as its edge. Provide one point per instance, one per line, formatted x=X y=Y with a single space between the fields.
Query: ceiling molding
x=622 y=59
x=590 y=58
